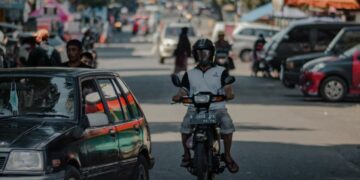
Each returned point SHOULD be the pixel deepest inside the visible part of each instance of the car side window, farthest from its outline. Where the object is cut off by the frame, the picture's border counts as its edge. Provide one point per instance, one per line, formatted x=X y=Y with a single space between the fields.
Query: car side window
x=111 y=98
x=124 y=105
x=92 y=103
x=247 y=32
x=324 y=37
x=298 y=40
x=131 y=99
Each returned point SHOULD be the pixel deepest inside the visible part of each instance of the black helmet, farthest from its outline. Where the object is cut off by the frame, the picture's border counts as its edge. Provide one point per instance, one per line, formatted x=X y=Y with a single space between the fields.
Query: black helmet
x=203 y=51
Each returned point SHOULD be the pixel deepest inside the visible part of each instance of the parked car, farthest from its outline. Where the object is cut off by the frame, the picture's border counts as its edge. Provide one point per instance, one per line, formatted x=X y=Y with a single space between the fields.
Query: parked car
x=72 y=124
x=301 y=37
x=333 y=78
x=245 y=35
x=345 y=39
x=169 y=38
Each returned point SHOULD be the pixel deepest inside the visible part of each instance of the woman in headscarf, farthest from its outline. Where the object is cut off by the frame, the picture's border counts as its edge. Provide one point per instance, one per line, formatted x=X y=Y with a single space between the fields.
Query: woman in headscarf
x=182 y=51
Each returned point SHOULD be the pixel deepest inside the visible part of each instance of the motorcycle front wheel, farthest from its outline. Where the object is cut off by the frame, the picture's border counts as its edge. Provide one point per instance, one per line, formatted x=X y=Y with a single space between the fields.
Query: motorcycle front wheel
x=201 y=161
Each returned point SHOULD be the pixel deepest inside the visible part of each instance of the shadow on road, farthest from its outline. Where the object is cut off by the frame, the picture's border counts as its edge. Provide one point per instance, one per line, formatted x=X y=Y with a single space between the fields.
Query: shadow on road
x=158 y=89
x=174 y=127
x=268 y=161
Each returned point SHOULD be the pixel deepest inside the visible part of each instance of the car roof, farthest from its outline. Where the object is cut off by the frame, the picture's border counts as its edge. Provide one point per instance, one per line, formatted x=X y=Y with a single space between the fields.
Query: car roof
x=257 y=25
x=319 y=21
x=179 y=25
x=54 y=71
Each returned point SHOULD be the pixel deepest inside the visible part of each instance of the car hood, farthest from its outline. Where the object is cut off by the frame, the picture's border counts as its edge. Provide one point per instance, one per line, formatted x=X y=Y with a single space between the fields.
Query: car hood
x=326 y=59
x=26 y=133
x=306 y=57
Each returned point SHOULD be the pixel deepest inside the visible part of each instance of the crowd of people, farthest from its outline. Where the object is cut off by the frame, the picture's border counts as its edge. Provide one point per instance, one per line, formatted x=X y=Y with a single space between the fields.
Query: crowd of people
x=44 y=55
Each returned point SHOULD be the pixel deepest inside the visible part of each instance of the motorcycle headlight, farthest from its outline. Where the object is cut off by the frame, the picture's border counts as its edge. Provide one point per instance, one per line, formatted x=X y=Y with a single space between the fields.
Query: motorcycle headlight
x=25 y=161
x=202 y=99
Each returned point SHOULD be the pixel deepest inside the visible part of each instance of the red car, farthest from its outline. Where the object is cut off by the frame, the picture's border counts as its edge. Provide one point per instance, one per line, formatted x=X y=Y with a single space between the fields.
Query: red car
x=334 y=77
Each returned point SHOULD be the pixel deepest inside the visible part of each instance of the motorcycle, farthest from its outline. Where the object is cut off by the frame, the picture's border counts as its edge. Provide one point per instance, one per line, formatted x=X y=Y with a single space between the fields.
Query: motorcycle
x=222 y=58
x=260 y=64
x=207 y=160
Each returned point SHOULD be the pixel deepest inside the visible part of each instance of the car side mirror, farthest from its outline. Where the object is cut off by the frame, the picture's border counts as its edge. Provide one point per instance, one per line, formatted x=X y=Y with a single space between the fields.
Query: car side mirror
x=229 y=80
x=96 y=119
x=175 y=80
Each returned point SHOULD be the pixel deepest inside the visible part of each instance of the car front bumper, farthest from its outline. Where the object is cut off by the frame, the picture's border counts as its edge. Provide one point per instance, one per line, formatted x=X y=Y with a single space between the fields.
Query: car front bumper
x=53 y=176
x=310 y=82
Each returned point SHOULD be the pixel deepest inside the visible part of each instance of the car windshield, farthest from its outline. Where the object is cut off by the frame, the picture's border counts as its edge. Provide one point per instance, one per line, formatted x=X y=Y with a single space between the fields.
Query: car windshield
x=350 y=52
x=175 y=31
x=37 y=96
x=343 y=41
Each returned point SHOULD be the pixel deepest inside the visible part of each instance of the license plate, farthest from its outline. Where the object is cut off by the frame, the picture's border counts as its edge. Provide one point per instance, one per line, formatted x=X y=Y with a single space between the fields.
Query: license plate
x=203 y=118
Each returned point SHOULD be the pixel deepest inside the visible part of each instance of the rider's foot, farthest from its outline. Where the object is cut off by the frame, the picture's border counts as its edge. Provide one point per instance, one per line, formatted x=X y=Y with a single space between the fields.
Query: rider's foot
x=230 y=164
x=185 y=162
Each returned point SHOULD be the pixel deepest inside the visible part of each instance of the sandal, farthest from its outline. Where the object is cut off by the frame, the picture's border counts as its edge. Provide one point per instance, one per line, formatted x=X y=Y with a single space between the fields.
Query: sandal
x=231 y=166
x=185 y=162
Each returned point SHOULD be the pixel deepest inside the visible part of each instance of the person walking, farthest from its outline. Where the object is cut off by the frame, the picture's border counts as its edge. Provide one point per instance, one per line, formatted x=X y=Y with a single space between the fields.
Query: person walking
x=43 y=54
x=182 y=51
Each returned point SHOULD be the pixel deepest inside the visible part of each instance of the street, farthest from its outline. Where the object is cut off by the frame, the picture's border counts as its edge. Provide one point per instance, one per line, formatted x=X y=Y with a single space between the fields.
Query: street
x=280 y=135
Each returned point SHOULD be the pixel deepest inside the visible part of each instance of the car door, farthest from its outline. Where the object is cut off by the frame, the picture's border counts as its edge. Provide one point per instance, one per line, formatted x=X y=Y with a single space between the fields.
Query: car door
x=129 y=131
x=101 y=142
x=356 y=70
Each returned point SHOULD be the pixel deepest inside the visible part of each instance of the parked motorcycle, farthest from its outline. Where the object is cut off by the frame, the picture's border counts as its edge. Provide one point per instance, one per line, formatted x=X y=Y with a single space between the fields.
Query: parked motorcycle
x=207 y=159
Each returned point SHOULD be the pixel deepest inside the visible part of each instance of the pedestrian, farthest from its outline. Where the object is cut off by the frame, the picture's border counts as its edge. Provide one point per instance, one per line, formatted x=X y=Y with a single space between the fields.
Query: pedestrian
x=43 y=54
x=74 y=50
x=88 y=59
x=182 y=51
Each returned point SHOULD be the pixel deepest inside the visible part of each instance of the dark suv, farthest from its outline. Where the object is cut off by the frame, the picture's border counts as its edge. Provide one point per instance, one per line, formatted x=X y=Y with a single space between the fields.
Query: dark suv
x=345 y=39
x=301 y=37
x=64 y=123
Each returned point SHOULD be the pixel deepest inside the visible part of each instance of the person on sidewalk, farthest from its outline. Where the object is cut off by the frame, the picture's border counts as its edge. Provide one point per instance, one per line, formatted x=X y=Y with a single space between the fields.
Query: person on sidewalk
x=182 y=51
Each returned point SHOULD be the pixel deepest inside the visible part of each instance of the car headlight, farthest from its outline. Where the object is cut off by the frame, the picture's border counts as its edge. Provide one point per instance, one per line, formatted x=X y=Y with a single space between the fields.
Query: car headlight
x=202 y=99
x=290 y=65
x=25 y=161
x=317 y=67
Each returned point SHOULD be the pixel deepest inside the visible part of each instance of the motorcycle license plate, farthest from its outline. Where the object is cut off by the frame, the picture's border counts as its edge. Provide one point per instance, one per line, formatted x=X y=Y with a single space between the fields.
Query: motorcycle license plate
x=203 y=118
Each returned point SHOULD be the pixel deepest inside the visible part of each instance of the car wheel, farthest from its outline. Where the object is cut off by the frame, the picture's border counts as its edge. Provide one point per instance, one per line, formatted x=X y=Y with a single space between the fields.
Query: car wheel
x=333 y=89
x=71 y=173
x=142 y=169
x=245 y=55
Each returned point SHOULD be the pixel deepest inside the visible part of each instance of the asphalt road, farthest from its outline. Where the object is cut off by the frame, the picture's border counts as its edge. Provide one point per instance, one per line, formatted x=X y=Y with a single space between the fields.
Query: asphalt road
x=280 y=135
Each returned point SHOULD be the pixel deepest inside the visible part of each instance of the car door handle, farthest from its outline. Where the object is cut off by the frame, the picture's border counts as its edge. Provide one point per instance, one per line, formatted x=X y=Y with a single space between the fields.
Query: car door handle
x=136 y=127
x=112 y=132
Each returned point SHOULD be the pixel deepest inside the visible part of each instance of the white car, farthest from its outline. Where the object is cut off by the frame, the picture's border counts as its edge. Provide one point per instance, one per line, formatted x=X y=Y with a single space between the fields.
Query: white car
x=169 y=38
x=245 y=35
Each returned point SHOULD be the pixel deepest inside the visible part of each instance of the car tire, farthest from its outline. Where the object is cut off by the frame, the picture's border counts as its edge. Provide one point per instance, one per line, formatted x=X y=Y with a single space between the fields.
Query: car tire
x=245 y=55
x=333 y=89
x=72 y=173
x=142 y=169
x=288 y=85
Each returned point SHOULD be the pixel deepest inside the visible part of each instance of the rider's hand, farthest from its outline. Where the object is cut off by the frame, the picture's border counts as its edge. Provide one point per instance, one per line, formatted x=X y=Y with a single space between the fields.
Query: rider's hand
x=176 y=98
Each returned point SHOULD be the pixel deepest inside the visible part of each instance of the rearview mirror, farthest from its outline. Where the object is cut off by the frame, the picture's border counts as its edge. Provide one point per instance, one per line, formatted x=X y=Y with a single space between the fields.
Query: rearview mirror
x=175 y=80
x=229 y=80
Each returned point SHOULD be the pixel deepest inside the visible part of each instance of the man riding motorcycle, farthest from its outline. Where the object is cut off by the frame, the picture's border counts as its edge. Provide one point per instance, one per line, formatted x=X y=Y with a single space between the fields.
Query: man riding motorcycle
x=208 y=77
x=223 y=45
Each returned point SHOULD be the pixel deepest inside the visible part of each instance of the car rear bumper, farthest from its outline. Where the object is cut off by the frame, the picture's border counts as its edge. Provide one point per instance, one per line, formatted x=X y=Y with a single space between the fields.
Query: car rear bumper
x=53 y=176
x=310 y=82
